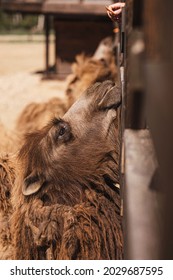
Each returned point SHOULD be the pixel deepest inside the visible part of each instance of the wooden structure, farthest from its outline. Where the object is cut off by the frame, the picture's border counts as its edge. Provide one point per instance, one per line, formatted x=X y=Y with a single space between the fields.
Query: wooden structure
x=79 y=26
x=147 y=135
x=33 y=6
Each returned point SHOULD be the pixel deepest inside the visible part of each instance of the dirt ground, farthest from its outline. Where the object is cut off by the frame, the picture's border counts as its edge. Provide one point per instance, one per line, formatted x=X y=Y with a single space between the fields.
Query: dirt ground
x=20 y=58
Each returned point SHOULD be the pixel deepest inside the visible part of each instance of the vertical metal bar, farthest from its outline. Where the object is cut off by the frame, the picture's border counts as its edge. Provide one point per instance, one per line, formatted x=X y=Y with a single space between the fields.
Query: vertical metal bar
x=123 y=30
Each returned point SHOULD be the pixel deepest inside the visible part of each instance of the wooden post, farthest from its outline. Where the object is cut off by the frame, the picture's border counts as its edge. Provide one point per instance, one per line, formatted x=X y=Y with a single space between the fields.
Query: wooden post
x=159 y=88
x=135 y=99
x=143 y=221
x=47 y=31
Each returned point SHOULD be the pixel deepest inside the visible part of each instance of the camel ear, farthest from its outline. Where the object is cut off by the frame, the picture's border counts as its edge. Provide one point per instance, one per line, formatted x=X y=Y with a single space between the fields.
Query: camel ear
x=32 y=184
x=111 y=99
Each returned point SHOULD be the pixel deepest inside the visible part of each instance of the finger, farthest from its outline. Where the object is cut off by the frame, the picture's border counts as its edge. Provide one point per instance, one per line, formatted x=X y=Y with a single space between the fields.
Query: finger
x=116 y=6
x=108 y=10
x=117 y=12
x=109 y=14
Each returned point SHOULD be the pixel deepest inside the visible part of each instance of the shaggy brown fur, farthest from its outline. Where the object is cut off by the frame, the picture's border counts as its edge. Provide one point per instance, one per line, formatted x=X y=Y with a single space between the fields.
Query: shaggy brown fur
x=8 y=140
x=88 y=70
x=66 y=203
x=37 y=115
x=7 y=176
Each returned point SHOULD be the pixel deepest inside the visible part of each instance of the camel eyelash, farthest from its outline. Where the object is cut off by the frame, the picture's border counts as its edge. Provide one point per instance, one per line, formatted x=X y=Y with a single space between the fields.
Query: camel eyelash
x=56 y=121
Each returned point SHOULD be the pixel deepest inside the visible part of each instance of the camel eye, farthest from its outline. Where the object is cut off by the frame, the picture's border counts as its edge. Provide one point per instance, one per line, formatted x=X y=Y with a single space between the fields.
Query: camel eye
x=62 y=131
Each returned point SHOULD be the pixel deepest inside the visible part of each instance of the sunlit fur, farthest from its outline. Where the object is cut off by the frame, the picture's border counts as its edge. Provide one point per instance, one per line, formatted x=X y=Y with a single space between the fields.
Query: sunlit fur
x=75 y=214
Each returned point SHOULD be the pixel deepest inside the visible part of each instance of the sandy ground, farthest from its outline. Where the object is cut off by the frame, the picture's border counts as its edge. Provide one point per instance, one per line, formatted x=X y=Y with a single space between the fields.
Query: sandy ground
x=20 y=58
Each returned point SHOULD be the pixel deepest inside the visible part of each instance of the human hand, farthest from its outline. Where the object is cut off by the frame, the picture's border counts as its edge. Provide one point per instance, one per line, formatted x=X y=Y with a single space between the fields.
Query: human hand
x=114 y=11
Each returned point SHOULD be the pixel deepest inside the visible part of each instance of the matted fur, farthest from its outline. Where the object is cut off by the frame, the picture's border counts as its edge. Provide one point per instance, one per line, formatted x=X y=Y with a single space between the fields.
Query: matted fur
x=75 y=212
x=8 y=140
x=7 y=177
x=37 y=115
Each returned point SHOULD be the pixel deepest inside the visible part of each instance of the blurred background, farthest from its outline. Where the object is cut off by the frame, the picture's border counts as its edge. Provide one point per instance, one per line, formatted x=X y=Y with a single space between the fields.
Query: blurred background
x=39 y=41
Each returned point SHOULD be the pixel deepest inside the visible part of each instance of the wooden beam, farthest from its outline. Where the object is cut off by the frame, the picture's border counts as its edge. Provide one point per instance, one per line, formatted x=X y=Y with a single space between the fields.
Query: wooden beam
x=81 y=8
x=135 y=96
x=22 y=6
x=142 y=213
x=159 y=87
